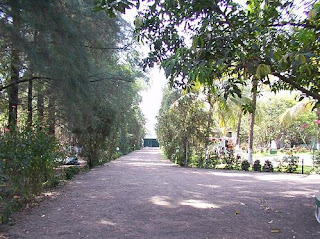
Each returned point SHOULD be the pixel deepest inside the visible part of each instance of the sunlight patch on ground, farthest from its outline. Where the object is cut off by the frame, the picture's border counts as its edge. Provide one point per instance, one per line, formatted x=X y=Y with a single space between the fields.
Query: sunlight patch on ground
x=292 y=194
x=161 y=201
x=231 y=174
x=107 y=222
x=148 y=164
x=198 y=204
x=208 y=185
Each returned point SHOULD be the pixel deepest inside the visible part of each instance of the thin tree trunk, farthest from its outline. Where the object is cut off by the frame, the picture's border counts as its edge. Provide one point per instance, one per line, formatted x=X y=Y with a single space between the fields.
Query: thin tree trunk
x=13 y=91
x=186 y=153
x=40 y=105
x=318 y=135
x=252 y=118
x=238 y=128
x=30 y=87
x=208 y=129
x=51 y=115
x=30 y=96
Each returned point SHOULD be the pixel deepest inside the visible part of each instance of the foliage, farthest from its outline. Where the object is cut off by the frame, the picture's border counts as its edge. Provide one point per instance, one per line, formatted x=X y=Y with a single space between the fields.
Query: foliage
x=257 y=166
x=72 y=74
x=27 y=164
x=232 y=162
x=316 y=161
x=77 y=90
x=69 y=172
x=231 y=43
x=289 y=164
x=28 y=160
x=245 y=165
x=267 y=167
x=270 y=107
x=180 y=128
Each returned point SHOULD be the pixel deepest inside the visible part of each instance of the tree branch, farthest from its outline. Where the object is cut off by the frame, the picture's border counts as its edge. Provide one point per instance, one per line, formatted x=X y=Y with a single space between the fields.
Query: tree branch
x=111 y=78
x=24 y=80
x=305 y=25
x=109 y=48
x=297 y=86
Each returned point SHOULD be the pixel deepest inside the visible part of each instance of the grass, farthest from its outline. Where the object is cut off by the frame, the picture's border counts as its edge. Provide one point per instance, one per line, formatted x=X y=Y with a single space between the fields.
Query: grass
x=306 y=169
x=267 y=154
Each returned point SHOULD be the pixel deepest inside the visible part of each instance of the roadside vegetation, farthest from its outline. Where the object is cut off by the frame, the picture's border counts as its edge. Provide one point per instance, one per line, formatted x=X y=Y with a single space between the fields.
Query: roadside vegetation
x=69 y=82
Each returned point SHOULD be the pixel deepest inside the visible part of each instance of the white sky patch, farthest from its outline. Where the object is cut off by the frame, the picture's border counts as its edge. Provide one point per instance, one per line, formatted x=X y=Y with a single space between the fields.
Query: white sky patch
x=151 y=99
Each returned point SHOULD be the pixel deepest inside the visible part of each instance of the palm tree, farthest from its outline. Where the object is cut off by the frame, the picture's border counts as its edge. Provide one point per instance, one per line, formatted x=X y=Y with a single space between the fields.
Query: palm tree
x=302 y=107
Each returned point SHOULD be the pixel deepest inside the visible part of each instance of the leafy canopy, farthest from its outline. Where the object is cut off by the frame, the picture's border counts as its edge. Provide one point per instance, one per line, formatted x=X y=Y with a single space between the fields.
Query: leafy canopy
x=222 y=43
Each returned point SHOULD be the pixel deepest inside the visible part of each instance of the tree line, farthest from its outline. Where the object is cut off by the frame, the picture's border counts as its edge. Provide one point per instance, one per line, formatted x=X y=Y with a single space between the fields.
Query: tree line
x=69 y=70
x=69 y=76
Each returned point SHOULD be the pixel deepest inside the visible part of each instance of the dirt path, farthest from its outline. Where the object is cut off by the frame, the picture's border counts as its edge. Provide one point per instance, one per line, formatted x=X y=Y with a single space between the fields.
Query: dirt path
x=142 y=195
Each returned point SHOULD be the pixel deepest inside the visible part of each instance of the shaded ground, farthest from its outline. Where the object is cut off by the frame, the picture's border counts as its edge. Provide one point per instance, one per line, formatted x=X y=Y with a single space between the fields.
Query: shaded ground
x=142 y=195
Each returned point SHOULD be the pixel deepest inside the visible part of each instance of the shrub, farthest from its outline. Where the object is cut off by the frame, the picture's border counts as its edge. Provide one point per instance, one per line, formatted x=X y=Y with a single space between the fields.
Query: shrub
x=316 y=161
x=27 y=161
x=267 y=167
x=289 y=164
x=231 y=161
x=257 y=166
x=212 y=161
x=245 y=165
x=69 y=172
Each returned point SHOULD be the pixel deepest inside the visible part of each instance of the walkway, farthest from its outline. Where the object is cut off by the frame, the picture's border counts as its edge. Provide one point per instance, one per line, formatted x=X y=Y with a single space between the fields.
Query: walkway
x=142 y=195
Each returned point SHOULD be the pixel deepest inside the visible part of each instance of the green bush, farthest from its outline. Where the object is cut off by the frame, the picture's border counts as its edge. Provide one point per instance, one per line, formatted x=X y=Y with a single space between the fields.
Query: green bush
x=316 y=161
x=27 y=161
x=212 y=161
x=231 y=161
x=245 y=165
x=69 y=172
x=289 y=164
x=267 y=167
x=257 y=166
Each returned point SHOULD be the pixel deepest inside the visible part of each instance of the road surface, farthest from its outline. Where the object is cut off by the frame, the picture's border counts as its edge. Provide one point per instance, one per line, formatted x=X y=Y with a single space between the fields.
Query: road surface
x=142 y=195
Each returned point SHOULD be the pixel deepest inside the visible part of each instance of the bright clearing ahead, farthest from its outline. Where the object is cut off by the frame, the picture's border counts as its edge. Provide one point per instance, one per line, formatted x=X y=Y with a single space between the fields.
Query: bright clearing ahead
x=151 y=99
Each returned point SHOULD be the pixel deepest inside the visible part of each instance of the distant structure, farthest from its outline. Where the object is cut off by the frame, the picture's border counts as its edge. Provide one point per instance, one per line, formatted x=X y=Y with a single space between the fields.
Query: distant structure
x=150 y=142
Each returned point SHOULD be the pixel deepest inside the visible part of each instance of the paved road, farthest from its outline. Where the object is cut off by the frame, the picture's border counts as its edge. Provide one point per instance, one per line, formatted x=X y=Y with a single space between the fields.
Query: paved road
x=142 y=195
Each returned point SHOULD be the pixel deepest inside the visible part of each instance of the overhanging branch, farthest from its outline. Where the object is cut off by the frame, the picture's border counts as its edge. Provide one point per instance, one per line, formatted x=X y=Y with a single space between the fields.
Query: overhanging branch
x=111 y=78
x=295 y=24
x=297 y=86
x=24 y=80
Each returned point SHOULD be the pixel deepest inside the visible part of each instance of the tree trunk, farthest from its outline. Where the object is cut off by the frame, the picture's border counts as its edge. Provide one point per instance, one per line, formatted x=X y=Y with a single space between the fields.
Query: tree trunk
x=252 y=118
x=13 y=91
x=30 y=87
x=186 y=153
x=30 y=95
x=51 y=115
x=208 y=129
x=238 y=128
x=318 y=135
x=40 y=104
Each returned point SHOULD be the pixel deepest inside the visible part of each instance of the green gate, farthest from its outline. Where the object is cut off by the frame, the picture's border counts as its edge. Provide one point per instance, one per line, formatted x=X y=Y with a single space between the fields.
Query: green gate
x=150 y=143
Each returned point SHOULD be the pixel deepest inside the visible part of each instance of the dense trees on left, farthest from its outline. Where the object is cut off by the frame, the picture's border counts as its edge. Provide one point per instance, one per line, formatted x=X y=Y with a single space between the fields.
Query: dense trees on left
x=68 y=78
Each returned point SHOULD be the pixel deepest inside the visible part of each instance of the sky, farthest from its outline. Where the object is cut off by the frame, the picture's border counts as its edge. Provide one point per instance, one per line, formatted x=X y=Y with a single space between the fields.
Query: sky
x=151 y=99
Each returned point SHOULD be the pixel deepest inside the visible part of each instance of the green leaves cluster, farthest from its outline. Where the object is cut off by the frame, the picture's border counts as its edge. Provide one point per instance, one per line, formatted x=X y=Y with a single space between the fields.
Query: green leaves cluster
x=80 y=70
x=27 y=165
x=214 y=40
x=181 y=126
